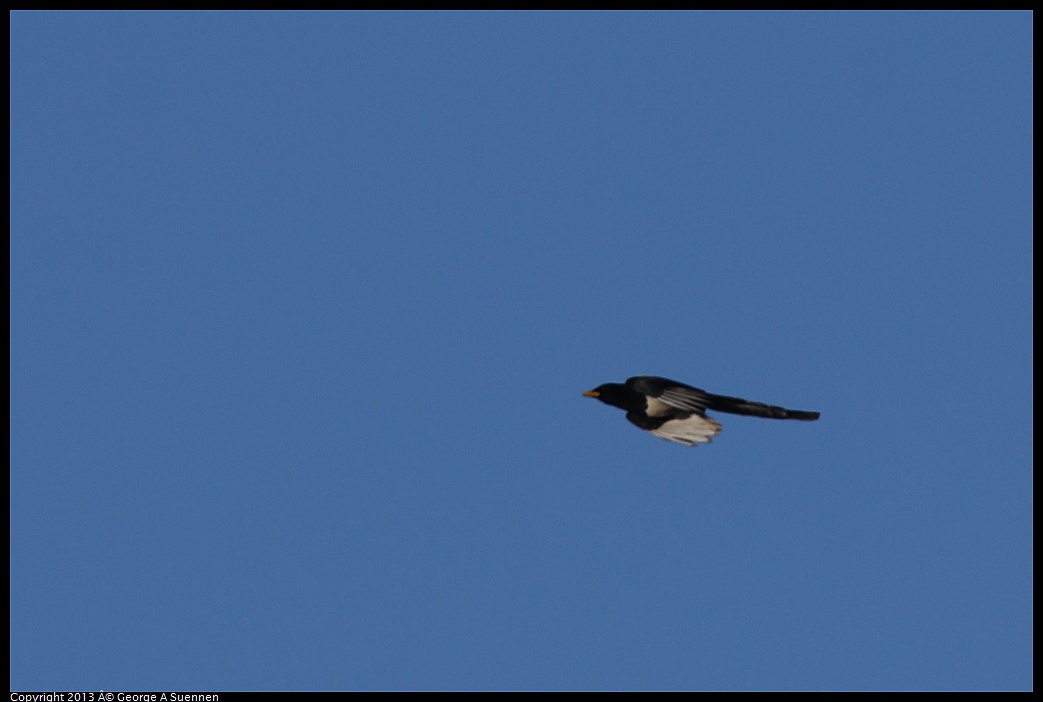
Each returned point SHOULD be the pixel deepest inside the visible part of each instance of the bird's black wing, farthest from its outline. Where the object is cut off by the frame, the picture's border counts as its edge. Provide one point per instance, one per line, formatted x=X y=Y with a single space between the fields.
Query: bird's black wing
x=670 y=392
x=685 y=397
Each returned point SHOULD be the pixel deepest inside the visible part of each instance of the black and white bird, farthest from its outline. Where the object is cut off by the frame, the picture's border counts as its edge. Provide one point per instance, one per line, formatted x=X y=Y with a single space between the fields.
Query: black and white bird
x=677 y=412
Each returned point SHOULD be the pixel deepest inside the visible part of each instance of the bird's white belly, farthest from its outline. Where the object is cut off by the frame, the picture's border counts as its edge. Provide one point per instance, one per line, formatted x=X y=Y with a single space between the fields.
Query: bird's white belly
x=696 y=429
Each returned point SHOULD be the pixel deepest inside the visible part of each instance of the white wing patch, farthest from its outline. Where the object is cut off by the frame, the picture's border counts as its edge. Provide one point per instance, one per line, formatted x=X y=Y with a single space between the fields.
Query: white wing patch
x=688 y=399
x=655 y=408
x=696 y=429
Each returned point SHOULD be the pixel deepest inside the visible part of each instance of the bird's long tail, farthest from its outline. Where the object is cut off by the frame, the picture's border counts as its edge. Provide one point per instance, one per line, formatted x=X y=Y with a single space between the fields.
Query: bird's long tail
x=736 y=405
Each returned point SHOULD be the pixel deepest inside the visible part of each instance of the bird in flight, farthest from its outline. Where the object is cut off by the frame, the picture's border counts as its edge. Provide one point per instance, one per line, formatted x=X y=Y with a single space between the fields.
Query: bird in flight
x=677 y=412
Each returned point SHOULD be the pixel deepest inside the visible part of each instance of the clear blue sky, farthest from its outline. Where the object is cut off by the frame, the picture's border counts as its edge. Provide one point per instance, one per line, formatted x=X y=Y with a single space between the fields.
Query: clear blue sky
x=303 y=305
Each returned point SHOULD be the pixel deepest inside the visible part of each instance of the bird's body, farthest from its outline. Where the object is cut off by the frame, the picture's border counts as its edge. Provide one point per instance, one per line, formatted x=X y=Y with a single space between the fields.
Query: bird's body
x=677 y=412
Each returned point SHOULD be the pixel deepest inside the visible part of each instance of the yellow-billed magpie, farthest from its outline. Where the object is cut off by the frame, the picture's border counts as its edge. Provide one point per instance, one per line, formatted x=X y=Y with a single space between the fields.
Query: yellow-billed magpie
x=677 y=412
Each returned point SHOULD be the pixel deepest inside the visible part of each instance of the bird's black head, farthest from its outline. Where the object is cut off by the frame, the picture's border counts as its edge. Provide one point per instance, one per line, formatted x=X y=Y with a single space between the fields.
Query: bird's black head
x=617 y=395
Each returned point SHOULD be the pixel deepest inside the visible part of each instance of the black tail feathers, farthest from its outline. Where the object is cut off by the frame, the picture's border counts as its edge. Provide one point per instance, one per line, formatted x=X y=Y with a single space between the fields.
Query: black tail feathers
x=736 y=405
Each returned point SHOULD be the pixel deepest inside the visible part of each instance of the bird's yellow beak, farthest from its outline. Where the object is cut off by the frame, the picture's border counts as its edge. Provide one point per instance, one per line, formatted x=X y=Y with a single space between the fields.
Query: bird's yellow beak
x=592 y=393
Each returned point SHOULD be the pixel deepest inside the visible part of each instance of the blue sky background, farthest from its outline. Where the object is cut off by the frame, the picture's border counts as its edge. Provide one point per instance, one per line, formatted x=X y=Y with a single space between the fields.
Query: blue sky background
x=303 y=305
